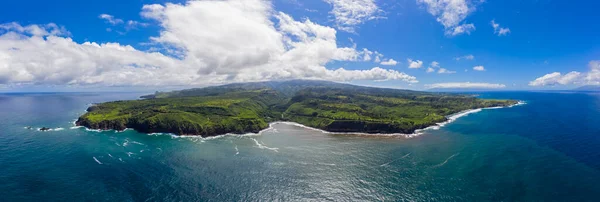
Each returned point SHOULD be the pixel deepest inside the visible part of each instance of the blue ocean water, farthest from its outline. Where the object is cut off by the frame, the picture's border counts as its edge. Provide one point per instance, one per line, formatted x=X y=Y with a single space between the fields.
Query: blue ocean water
x=546 y=150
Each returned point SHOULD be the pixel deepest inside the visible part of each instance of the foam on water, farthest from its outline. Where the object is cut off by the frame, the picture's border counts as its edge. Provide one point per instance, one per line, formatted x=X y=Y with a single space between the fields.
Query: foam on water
x=94 y=130
x=446 y=161
x=50 y=130
x=261 y=146
x=388 y=163
x=97 y=161
x=138 y=143
x=120 y=131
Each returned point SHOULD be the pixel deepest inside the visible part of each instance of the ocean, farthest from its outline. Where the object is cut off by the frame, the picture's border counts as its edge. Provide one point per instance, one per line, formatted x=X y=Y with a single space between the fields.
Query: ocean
x=545 y=150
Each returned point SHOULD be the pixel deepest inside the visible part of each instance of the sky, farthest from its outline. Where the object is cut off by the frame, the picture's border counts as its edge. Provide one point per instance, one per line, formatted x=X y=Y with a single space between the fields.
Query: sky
x=71 y=45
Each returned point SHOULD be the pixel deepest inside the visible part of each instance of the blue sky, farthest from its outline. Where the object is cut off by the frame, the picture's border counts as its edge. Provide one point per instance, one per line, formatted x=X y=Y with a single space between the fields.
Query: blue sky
x=177 y=44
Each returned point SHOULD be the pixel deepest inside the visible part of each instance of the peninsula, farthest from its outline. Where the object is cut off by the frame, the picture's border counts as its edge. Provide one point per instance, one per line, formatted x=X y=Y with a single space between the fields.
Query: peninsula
x=250 y=107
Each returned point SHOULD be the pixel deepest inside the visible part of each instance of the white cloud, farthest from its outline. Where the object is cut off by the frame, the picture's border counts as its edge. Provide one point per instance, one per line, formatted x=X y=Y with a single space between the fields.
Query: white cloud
x=376 y=73
x=414 y=64
x=591 y=77
x=436 y=65
x=367 y=54
x=378 y=57
x=351 y=13
x=466 y=57
x=462 y=29
x=111 y=19
x=466 y=85
x=129 y=25
x=213 y=42
x=500 y=31
x=556 y=78
x=503 y=31
x=391 y=62
x=451 y=14
x=132 y=24
x=35 y=30
x=479 y=68
x=445 y=71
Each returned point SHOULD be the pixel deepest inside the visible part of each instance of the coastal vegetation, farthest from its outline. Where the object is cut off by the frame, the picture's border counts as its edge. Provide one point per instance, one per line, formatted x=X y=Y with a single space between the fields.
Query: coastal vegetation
x=250 y=107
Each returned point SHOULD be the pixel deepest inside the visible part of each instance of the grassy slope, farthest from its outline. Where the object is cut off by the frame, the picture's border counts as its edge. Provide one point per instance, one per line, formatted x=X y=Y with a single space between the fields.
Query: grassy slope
x=341 y=110
x=243 y=108
x=231 y=112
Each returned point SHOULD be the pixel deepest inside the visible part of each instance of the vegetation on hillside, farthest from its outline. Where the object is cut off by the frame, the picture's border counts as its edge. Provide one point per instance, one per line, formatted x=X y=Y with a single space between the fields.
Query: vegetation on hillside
x=249 y=107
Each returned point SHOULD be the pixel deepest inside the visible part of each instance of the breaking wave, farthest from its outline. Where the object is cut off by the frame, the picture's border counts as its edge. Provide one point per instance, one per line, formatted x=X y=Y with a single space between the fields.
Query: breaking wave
x=97 y=161
x=446 y=161
x=261 y=146
x=388 y=163
x=51 y=129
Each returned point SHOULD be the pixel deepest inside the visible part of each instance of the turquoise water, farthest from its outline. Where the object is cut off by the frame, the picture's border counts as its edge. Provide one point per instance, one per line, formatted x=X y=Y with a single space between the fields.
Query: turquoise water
x=546 y=150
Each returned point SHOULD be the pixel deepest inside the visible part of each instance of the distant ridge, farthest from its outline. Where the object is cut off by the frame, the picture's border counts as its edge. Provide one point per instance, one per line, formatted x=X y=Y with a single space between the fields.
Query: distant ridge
x=588 y=88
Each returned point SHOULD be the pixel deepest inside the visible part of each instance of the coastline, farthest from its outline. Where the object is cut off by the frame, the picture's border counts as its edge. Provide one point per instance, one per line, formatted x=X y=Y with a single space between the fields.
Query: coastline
x=451 y=118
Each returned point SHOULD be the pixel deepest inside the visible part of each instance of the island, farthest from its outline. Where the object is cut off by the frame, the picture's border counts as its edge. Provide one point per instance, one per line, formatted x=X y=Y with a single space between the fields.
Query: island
x=250 y=107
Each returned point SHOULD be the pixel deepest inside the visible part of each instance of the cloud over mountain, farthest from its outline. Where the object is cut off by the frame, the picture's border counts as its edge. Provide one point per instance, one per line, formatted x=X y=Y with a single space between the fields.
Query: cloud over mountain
x=204 y=42
x=466 y=85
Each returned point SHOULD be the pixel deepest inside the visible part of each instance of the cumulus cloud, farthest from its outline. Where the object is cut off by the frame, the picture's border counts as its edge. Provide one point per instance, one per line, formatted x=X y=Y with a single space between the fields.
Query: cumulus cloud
x=479 y=68
x=436 y=65
x=466 y=57
x=414 y=64
x=367 y=55
x=466 y=85
x=445 y=71
x=556 y=78
x=110 y=19
x=203 y=43
x=462 y=29
x=377 y=74
x=451 y=14
x=378 y=57
x=500 y=31
x=129 y=25
x=390 y=62
x=35 y=30
x=132 y=24
x=592 y=77
x=350 y=13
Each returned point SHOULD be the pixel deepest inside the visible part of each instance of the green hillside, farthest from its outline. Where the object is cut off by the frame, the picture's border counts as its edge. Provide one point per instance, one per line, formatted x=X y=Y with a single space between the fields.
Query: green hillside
x=249 y=107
